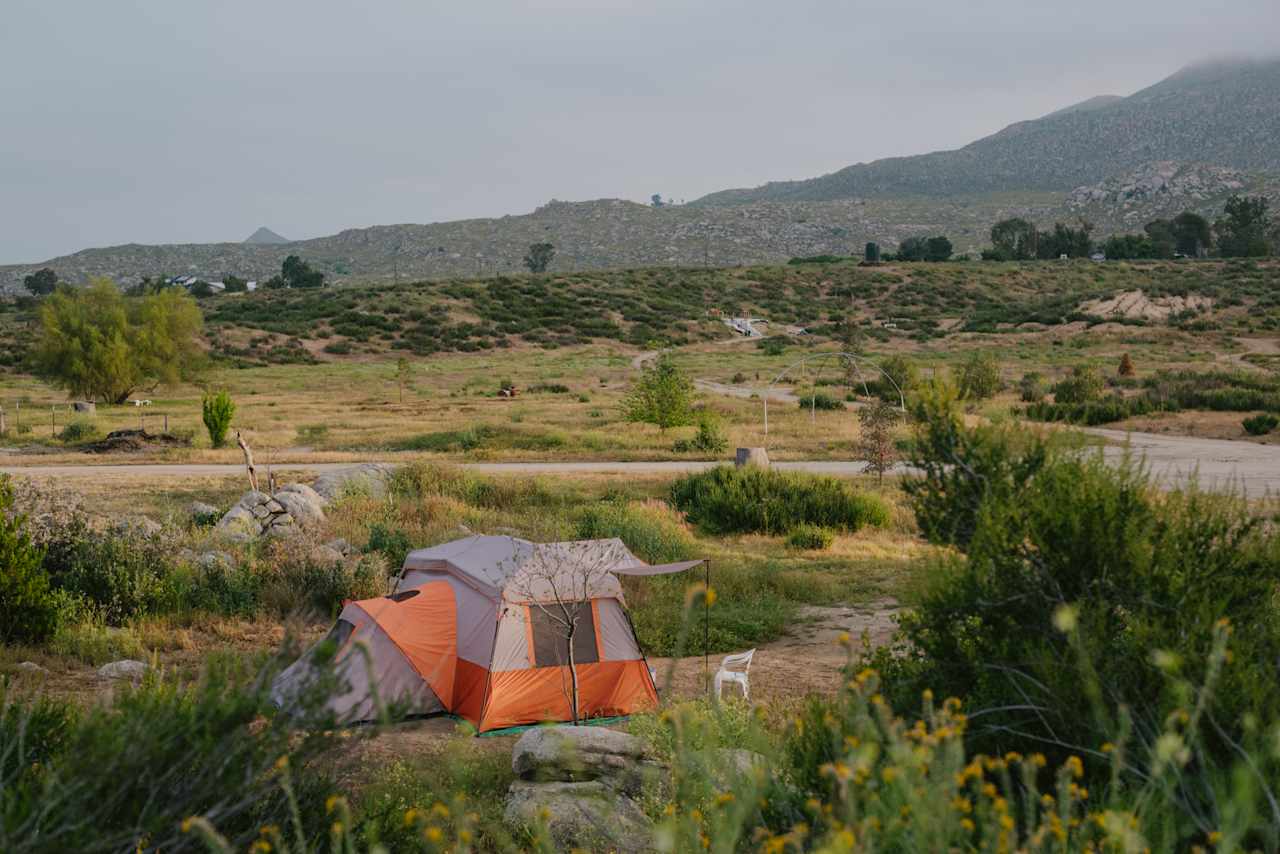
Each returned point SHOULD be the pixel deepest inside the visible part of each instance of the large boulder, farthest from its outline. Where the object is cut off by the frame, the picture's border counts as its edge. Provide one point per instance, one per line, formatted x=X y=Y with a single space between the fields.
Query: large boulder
x=582 y=815
x=369 y=479
x=303 y=503
x=138 y=526
x=239 y=523
x=570 y=754
x=125 y=669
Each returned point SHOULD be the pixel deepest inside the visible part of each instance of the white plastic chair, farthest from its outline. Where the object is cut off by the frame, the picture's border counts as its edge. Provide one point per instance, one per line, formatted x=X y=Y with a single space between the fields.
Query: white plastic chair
x=734 y=669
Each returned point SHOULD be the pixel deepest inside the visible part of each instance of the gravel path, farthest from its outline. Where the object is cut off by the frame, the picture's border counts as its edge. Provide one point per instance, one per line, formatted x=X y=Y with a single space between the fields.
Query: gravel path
x=1217 y=464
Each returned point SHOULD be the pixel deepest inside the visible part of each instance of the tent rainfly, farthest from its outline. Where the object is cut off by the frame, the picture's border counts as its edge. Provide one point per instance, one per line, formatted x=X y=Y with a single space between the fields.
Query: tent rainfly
x=496 y=630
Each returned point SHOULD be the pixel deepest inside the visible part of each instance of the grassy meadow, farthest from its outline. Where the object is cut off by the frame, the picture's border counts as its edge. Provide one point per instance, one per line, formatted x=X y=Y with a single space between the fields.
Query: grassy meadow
x=1100 y=650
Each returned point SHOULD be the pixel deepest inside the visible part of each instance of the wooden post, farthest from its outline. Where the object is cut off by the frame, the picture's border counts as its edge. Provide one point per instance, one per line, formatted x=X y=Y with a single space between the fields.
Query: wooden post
x=166 y=423
x=53 y=420
x=248 y=461
x=2 y=428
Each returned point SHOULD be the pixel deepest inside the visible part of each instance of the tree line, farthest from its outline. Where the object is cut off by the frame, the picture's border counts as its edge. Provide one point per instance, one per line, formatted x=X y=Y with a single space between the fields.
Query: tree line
x=1245 y=230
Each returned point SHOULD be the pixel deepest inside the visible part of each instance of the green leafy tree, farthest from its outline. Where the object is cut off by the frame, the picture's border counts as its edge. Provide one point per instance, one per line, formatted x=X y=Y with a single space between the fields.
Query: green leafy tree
x=663 y=396
x=29 y=608
x=911 y=249
x=217 y=410
x=235 y=285
x=938 y=248
x=297 y=273
x=201 y=289
x=656 y=200
x=1065 y=240
x=1244 y=231
x=1013 y=240
x=275 y=283
x=904 y=375
x=1163 y=241
x=42 y=282
x=101 y=345
x=979 y=377
x=539 y=257
x=1125 y=247
x=1192 y=234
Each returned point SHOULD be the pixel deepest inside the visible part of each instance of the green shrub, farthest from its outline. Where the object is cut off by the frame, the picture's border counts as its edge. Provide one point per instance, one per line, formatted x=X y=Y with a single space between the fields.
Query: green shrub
x=79 y=430
x=216 y=411
x=1083 y=386
x=391 y=543
x=125 y=772
x=662 y=396
x=119 y=575
x=651 y=530
x=30 y=610
x=979 y=377
x=730 y=499
x=1138 y=573
x=820 y=400
x=1032 y=387
x=810 y=537
x=710 y=438
x=1260 y=425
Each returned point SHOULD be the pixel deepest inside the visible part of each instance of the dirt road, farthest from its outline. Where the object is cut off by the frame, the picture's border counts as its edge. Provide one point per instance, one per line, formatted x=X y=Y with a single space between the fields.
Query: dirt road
x=1217 y=464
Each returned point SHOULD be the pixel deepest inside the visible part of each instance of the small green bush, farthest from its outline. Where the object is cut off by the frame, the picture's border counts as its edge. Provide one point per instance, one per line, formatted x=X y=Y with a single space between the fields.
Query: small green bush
x=651 y=530
x=1260 y=425
x=1032 y=387
x=731 y=499
x=392 y=543
x=820 y=400
x=79 y=430
x=217 y=411
x=30 y=610
x=810 y=537
x=979 y=377
x=710 y=438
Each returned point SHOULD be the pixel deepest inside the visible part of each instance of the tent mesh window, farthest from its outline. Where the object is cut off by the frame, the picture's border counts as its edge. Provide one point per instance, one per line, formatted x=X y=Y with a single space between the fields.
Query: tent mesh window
x=337 y=638
x=551 y=647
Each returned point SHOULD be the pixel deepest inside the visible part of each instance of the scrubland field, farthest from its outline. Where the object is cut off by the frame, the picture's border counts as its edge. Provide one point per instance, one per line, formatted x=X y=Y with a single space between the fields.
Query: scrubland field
x=1017 y=647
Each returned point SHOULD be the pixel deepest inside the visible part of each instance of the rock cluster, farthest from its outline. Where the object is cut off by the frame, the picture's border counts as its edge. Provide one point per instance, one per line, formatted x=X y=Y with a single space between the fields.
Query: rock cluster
x=583 y=782
x=257 y=514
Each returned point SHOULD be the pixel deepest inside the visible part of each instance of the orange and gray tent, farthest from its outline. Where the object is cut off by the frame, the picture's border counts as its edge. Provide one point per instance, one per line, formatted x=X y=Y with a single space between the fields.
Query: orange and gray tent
x=479 y=628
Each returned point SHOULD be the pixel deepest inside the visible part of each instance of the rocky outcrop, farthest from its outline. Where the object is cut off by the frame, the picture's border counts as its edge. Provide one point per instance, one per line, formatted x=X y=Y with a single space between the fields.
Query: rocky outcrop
x=125 y=669
x=582 y=783
x=257 y=514
x=138 y=526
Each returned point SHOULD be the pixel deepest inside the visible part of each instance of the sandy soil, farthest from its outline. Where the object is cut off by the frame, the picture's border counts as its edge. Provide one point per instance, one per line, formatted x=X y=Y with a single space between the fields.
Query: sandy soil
x=1136 y=304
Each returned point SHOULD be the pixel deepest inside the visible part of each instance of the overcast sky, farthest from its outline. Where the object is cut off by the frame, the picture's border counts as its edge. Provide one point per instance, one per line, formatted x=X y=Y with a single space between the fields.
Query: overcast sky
x=161 y=121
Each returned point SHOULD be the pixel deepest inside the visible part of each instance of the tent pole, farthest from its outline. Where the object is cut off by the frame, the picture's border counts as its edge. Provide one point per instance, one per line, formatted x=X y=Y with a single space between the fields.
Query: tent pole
x=706 y=629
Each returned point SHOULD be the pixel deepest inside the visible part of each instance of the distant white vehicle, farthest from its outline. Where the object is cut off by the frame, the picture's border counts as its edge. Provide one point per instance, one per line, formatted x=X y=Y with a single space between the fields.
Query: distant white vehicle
x=141 y=402
x=745 y=326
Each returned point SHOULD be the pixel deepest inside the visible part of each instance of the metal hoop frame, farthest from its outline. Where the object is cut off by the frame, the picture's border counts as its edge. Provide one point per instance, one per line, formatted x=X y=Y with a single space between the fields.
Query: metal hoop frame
x=847 y=358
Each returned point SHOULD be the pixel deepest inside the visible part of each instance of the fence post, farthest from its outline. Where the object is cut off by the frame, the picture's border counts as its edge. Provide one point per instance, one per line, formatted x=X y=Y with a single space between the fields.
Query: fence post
x=2 y=427
x=53 y=420
x=166 y=423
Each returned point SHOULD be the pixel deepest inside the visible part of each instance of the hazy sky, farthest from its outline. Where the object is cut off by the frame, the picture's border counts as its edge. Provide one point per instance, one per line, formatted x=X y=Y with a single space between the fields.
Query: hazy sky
x=189 y=120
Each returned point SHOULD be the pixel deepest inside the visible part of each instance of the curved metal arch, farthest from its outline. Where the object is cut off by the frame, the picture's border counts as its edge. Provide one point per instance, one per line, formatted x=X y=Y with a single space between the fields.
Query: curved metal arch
x=848 y=358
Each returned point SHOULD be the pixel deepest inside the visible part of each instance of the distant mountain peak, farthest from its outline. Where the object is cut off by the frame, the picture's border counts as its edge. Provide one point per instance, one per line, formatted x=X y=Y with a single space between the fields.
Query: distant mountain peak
x=265 y=235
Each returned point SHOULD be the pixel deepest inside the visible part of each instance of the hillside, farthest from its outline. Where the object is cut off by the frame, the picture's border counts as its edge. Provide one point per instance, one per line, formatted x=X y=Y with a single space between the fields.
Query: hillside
x=1188 y=142
x=1227 y=114
x=894 y=303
